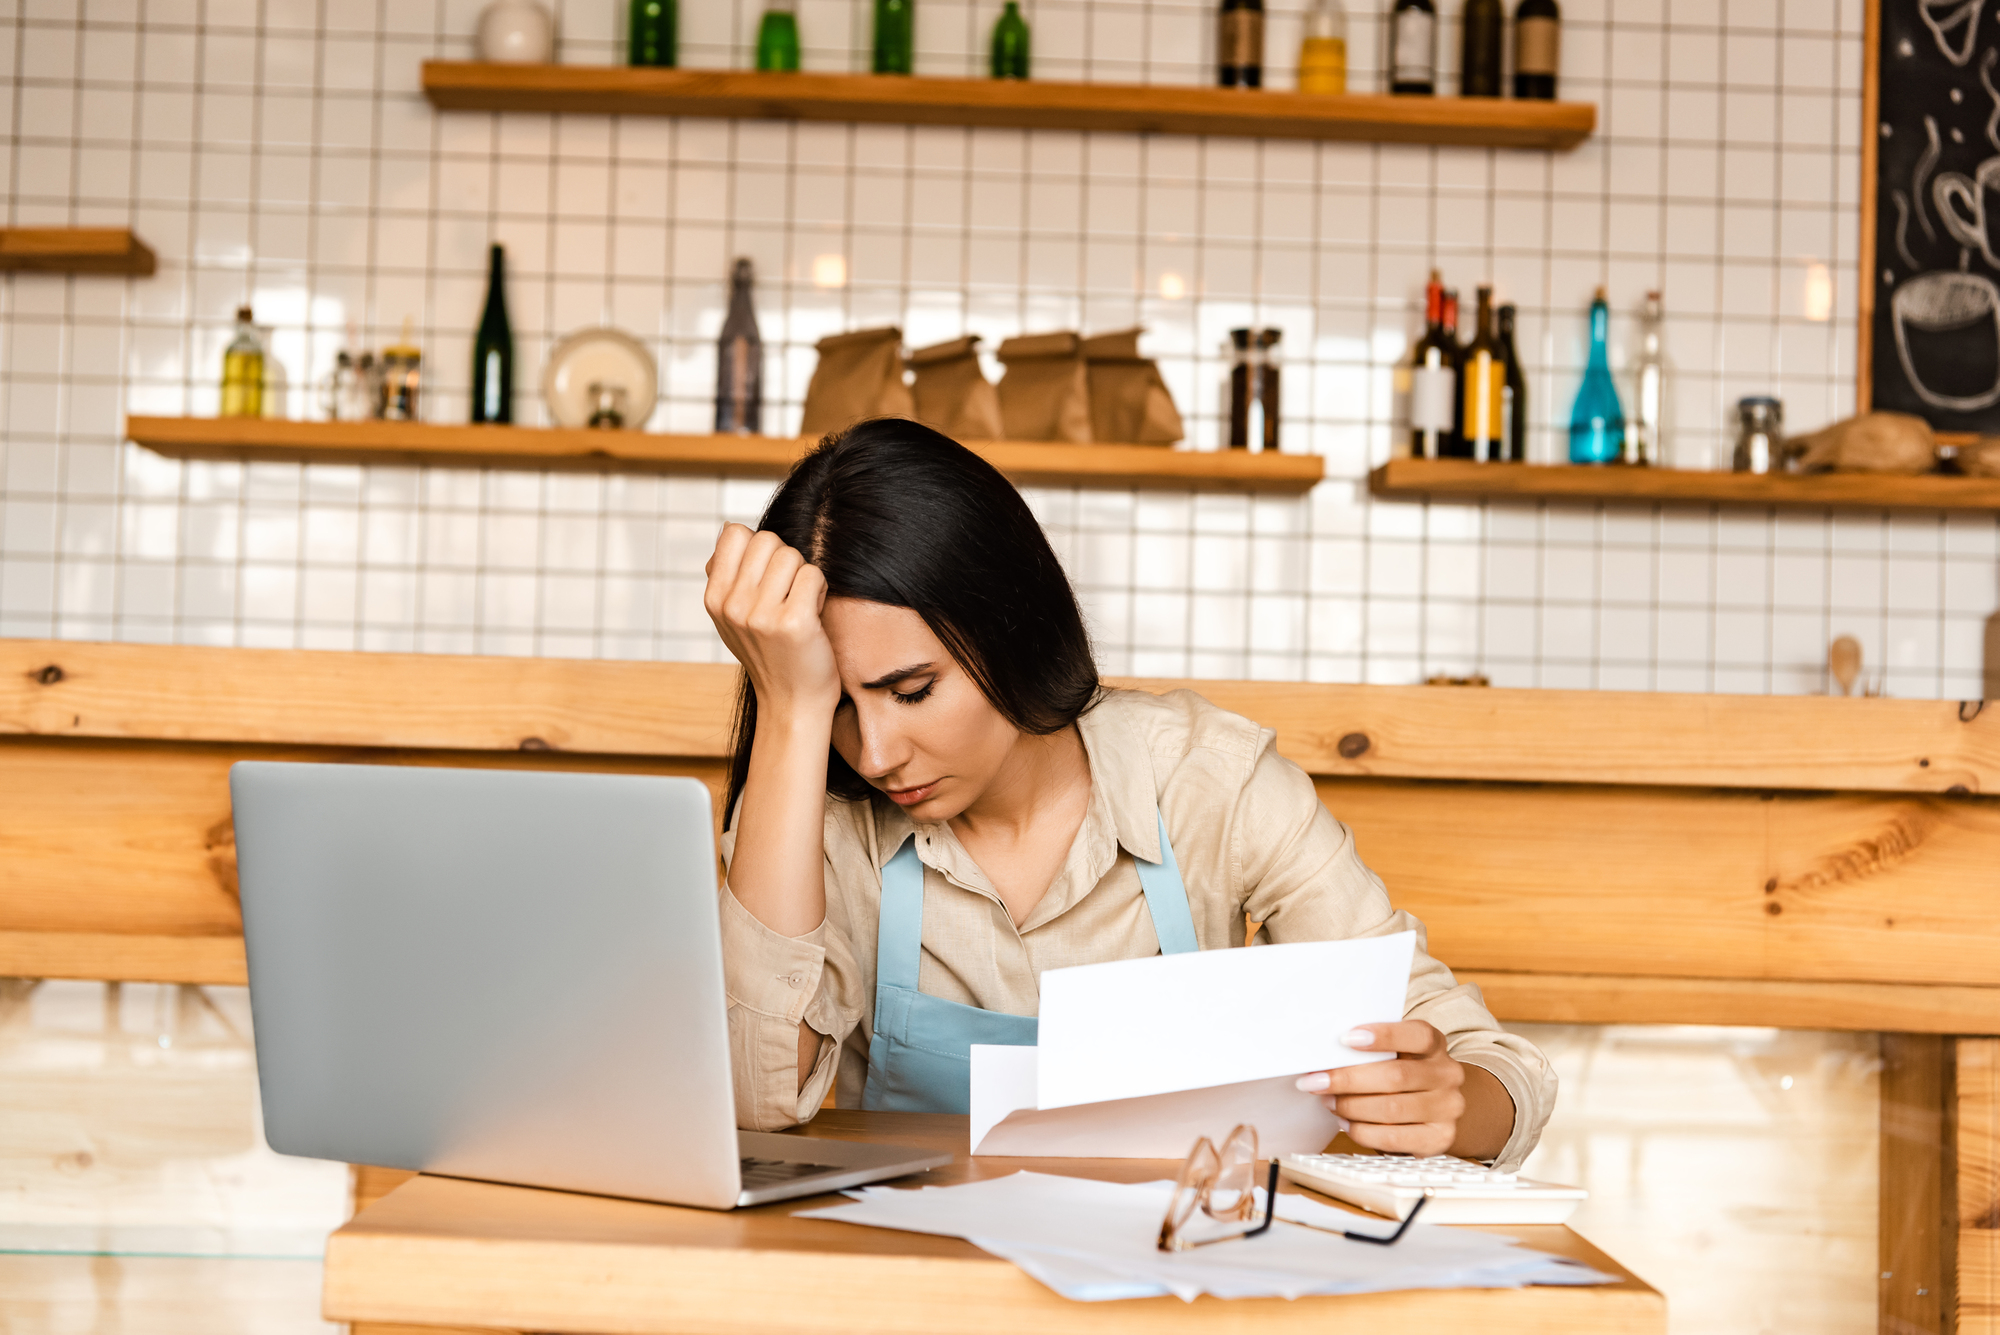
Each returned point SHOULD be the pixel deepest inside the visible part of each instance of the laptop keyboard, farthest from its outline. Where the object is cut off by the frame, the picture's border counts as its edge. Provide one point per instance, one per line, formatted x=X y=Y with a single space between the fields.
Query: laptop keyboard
x=759 y=1173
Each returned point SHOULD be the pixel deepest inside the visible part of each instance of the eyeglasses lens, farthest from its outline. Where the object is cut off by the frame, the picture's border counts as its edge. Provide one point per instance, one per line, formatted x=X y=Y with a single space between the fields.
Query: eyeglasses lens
x=1233 y=1196
x=1197 y=1177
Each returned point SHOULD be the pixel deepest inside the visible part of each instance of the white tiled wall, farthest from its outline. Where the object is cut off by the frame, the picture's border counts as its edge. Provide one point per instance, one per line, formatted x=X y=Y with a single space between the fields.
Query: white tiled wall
x=277 y=151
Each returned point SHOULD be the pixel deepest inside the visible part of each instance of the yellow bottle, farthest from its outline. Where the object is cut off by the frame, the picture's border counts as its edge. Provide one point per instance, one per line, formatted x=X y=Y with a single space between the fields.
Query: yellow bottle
x=243 y=370
x=1323 y=53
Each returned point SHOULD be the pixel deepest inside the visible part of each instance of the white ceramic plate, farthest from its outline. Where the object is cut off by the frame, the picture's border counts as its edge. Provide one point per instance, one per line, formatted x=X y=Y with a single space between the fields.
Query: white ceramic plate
x=605 y=357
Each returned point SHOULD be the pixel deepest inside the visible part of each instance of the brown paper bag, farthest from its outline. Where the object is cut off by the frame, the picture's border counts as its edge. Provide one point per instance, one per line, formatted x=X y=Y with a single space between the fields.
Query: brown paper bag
x=860 y=375
x=1981 y=458
x=1045 y=394
x=950 y=392
x=1870 y=443
x=1129 y=402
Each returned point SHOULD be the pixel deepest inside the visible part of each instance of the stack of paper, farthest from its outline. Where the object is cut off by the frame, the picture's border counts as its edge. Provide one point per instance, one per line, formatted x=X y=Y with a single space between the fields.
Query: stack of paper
x=1137 y=1058
x=1098 y=1240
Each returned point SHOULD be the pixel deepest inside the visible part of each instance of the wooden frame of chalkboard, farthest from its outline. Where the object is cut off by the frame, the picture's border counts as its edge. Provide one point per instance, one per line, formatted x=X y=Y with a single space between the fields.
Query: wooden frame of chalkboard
x=1929 y=280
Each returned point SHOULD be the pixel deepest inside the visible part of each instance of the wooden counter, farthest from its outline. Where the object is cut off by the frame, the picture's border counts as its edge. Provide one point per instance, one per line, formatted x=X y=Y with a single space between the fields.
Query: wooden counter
x=439 y=1251
x=1582 y=856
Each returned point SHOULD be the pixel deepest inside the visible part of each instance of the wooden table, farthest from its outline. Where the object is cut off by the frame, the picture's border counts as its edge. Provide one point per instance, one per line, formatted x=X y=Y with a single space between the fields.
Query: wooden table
x=438 y=1251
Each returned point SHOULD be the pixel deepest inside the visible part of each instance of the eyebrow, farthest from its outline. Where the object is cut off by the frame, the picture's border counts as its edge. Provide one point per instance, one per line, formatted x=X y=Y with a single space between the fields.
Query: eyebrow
x=891 y=678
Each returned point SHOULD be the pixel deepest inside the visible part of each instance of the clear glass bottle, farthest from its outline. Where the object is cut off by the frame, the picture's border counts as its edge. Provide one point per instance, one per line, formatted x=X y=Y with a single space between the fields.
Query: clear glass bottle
x=348 y=393
x=1646 y=433
x=895 y=37
x=652 y=34
x=739 y=361
x=1597 y=422
x=778 y=38
x=1239 y=44
x=1323 y=51
x=243 y=370
x=401 y=380
x=1009 y=52
x=1760 y=434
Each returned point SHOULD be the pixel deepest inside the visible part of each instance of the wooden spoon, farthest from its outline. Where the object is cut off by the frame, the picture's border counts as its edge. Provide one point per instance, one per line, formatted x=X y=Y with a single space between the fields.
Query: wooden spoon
x=1844 y=661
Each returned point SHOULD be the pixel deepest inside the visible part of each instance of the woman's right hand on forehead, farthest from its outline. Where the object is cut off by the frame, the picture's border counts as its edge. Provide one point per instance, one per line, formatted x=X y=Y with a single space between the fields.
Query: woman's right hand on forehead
x=765 y=601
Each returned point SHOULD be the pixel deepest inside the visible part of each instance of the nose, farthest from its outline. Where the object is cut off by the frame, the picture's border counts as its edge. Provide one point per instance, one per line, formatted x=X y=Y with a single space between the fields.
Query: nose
x=884 y=747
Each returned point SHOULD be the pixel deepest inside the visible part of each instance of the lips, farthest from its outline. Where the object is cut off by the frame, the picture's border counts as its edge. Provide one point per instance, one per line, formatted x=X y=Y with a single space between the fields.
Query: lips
x=909 y=797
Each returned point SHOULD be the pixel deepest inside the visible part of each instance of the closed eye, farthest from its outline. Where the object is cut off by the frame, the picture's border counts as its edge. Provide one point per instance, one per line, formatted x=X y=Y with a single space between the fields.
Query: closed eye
x=917 y=696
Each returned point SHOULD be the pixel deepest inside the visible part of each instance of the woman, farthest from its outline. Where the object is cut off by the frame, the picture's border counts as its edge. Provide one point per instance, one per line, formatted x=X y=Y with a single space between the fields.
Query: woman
x=933 y=800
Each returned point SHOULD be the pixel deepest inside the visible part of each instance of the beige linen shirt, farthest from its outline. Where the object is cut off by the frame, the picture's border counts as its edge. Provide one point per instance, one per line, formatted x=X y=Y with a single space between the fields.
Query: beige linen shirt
x=1248 y=831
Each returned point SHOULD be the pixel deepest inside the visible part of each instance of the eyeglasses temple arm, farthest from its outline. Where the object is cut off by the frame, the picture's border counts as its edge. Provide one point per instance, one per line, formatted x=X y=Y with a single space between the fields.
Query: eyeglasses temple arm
x=1270 y=1202
x=1401 y=1228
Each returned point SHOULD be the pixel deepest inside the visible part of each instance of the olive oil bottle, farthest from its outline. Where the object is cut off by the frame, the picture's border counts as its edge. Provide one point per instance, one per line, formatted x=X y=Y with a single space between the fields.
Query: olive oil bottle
x=243 y=370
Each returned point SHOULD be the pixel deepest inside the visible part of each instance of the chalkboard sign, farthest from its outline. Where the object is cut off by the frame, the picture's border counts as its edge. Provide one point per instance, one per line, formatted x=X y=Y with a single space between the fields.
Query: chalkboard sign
x=1931 y=261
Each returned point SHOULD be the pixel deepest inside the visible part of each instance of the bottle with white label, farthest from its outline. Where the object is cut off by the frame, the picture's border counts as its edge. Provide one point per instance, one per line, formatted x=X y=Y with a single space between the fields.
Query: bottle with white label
x=1434 y=367
x=1645 y=430
x=1537 y=49
x=1413 y=48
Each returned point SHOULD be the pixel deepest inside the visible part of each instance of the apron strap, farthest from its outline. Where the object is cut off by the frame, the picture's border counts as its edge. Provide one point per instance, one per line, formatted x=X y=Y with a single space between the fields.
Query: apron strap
x=900 y=936
x=1166 y=897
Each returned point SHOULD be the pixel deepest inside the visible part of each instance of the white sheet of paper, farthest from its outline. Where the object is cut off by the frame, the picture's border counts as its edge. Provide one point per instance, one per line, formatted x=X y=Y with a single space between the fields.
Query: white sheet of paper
x=1133 y=1028
x=1005 y=1120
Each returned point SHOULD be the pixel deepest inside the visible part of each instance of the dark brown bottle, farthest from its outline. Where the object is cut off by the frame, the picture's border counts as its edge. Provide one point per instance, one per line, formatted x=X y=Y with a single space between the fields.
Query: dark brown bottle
x=1433 y=380
x=1239 y=44
x=1480 y=30
x=1457 y=448
x=1482 y=408
x=1515 y=409
x=1537 y=49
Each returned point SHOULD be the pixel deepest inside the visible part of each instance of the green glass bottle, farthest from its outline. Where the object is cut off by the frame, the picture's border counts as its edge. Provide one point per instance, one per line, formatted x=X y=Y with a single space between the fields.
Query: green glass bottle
x=653 y=37
x=778 y=37
x=1010 y=44
x=895 y=36
x=493 y=350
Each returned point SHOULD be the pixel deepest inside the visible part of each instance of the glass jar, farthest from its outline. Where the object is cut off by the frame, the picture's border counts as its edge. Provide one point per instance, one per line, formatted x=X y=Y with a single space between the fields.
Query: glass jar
x=1760 y=432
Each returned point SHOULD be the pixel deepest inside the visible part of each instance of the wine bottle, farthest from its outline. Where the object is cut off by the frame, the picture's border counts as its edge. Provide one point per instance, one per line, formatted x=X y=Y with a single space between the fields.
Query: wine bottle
x=1239 y=44
x=1433 y=380
x=652 y=35
x=778 y=37
x=1009 y=57
x=1514 y=412
x=895 y=36
x=1457 y=446
x=243 y=370
x=1483 y=403
x=1597 y=423
x=739 y=362
x=1413 y=48
x=493 y=350
x=1480 y=35
x=1537 y=48
x=1645 y=434
x=1323 y=51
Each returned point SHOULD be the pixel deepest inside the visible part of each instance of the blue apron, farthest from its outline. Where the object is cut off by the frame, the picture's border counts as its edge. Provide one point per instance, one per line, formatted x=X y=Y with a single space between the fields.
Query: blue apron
x=920 y=1058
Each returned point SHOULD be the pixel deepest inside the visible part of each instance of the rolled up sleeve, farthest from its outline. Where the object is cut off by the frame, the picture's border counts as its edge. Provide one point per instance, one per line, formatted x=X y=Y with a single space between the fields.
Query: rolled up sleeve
x=1306 y=882
x=775 y=983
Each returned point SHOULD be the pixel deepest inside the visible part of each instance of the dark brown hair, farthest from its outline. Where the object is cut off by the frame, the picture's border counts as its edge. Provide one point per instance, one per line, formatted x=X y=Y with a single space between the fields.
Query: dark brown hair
x=893 y=512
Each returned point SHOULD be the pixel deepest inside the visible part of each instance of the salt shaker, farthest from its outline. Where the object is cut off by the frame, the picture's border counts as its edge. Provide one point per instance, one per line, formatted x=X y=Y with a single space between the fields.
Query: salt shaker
x=1760 y=432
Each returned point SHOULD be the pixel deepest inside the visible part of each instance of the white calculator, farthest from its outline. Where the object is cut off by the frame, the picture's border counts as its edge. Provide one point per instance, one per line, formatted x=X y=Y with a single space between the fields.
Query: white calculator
x=1460 y=1191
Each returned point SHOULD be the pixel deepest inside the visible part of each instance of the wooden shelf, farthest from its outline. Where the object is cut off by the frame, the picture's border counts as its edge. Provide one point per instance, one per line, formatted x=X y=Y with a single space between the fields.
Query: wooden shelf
x=1460 y=479
x=251 y=438
x=1030 y=104
x=111 y=250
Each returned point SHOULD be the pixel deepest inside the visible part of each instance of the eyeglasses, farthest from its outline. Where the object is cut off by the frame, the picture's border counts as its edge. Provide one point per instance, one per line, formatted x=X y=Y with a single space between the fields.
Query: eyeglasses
x=1220 y=1183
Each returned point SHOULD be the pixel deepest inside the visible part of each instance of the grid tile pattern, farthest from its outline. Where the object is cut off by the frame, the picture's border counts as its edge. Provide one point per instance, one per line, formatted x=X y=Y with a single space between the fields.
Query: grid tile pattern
x=277 y=151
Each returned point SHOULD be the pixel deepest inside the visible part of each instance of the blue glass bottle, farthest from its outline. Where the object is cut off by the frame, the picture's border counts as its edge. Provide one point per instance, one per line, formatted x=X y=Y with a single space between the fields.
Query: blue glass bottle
x=1597 y=423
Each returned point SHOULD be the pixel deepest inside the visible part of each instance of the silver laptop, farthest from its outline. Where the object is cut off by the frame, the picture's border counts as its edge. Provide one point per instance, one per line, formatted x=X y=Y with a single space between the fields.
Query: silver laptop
x=505 y=975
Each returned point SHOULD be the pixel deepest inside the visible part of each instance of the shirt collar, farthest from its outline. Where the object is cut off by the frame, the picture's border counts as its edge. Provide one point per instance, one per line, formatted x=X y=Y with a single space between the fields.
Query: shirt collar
x=1123 y=788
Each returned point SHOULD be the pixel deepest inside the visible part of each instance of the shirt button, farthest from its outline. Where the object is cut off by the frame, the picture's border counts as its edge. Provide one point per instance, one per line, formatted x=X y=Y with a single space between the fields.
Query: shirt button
x=796 y=979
